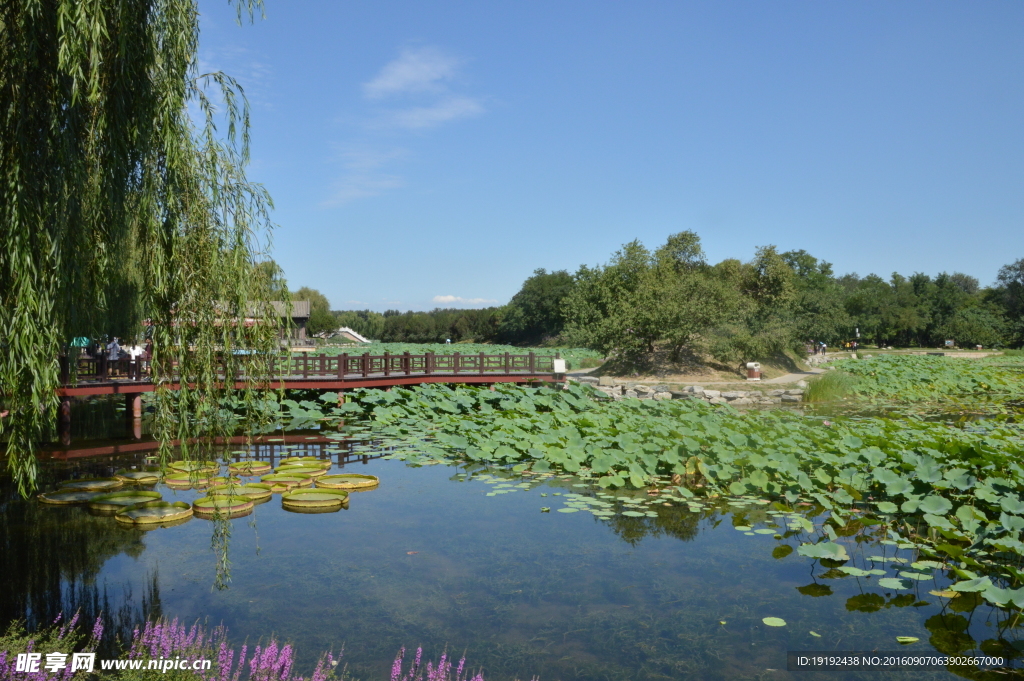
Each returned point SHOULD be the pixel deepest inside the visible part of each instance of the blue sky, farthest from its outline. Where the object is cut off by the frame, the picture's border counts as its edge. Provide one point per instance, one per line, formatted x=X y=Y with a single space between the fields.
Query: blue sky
x=435 y=154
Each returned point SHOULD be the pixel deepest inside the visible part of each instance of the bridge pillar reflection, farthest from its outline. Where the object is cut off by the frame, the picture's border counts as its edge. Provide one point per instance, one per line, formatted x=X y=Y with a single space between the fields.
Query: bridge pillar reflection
x=64 y=421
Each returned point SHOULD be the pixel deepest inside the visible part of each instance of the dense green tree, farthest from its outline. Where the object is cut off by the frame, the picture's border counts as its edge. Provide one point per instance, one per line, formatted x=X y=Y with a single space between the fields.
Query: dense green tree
x=536 y=312
x=1011 y=295
x=367 y=323
x=818 y=308
x=641 y=298
x=320 y=318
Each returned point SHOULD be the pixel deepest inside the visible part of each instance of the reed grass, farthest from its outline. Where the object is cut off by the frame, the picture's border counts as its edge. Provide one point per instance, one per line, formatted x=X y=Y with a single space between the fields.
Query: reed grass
x=833 y=385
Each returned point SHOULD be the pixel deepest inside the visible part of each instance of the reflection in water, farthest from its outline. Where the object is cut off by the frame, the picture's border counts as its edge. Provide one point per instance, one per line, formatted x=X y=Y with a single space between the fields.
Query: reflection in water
x=52 y=559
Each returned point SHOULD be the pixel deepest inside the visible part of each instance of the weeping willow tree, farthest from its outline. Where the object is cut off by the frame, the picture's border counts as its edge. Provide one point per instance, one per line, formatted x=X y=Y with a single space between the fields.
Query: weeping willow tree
x=124 y=210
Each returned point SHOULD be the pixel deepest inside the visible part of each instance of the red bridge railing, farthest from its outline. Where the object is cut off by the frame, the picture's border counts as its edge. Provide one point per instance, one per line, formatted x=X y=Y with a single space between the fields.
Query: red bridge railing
x=338 y=367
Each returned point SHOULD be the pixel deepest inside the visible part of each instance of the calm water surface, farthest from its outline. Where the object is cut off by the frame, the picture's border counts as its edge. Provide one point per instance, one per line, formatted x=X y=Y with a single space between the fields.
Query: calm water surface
x=429 y=559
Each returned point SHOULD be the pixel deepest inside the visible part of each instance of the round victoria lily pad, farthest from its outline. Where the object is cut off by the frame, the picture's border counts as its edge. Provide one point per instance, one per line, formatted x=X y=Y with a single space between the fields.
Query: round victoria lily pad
x=312 y=471
x=189 y=466
x=249 y=468
x=252 y=490
x=348 y=481
x=119 y=500
x=186 y=480
x=287 y=481
x=314 y=497
x=774 y=621
x=65 y=497
x=230 y=506
x=292 y=508
x=154 y=512
x=305 y=461
x=138 y=477
x=92 y=485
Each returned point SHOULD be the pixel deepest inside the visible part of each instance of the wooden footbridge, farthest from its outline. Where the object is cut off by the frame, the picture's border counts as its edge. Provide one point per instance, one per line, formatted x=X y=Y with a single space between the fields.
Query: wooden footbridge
x=99 y=376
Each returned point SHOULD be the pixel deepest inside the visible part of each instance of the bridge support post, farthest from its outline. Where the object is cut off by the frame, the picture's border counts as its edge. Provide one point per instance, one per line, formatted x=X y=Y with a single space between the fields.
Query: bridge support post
x=133 y=414
x=64 y=421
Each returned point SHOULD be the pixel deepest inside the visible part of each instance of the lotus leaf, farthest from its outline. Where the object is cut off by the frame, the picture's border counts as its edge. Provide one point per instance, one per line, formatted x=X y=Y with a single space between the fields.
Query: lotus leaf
x=828 y=550
x=971 y=585
x=774 y=621
x=907 y=640
x=894 y=583
x=887 y=507
x=935 y=505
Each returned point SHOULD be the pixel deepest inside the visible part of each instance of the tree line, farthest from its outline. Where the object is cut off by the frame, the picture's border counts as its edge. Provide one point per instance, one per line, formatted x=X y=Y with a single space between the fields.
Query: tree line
x=671 y=299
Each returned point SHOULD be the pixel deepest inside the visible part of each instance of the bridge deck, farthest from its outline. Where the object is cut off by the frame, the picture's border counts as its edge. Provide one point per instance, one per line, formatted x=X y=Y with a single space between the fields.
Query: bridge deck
x=127 y=386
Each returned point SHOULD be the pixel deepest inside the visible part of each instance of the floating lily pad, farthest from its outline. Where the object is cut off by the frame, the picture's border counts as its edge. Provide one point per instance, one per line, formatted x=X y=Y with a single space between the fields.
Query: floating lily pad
x=314 y=497
x=907 y=640
x=138 y=477
x=893 y=583
x=222 y=505
x=774 y=621
x=195 y=466
x=67 y=497
x=249 y=468
x=93 y=485
x=302 y=460
x=278 y=480
x=568 y=510
x=311 y=471
x=252 y=490
x=116 y=501
x=154 y=512
x=348 y=481
x=634 y=514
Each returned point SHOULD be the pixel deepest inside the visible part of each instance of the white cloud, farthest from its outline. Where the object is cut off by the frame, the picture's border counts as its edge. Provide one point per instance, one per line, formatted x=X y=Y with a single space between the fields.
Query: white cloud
x=364 y=176
x=416 y=70
x=416 y=87
x=446 y=110
x=459 y=300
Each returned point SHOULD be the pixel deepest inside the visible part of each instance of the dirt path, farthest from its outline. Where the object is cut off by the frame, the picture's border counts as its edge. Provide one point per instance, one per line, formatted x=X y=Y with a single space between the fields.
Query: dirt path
x=788 y=378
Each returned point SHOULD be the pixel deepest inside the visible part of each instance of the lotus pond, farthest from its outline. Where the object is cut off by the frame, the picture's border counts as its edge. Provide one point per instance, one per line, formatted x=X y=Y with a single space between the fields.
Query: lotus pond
x=546 y=533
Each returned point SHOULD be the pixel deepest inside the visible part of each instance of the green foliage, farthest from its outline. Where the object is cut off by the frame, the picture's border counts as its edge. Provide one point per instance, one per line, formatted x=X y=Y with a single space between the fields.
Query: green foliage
x=832 y=385
x=115 y=208
x=965 y=485
x=439 y=325
x=536 y=312
x=641 y=298
x=573 y=356
x=320 y=318
x=923 y=378
x=366 y=323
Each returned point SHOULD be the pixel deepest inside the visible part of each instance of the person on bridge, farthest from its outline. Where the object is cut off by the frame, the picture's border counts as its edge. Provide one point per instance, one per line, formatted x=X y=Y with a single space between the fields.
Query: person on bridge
x=113 y=350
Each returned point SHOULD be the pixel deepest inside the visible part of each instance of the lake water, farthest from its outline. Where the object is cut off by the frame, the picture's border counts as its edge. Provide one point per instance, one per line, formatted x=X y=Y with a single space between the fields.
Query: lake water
x=428 y=558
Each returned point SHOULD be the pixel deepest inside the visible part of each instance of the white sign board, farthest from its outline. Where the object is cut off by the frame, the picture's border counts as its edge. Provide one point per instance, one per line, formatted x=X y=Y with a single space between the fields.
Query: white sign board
x=559 y=366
